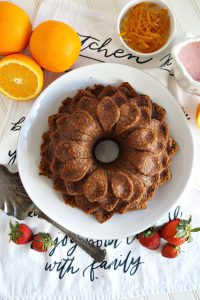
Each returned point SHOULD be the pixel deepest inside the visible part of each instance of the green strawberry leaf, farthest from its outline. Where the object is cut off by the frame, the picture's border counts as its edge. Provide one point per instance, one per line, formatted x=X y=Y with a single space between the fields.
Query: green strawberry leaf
x=179 y=227
x=15 y=233
x=183 y=222
x=148 y=232
x=180 y=233
x=190 y=239
x=189 y=220
x=47 y=241
x=197 y=229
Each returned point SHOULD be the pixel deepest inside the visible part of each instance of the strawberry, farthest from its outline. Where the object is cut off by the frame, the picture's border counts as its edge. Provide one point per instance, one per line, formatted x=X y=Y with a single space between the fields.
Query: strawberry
x=149 y=238
x=170 y=251
x=178 y=231
x=42 y=242
x=20 y=233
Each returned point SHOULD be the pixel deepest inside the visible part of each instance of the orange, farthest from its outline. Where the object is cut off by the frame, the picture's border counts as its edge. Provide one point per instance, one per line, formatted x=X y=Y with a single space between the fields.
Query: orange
x=21 y=78
x=15 y=28
x=55 y=46
x=198 y=115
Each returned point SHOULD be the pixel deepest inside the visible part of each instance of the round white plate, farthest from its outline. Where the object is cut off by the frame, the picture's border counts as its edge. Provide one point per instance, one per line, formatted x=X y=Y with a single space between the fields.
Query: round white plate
x=39 y=188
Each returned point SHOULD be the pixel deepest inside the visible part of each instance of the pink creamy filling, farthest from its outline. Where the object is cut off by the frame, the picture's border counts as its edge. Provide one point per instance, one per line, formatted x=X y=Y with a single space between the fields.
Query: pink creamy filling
x=190 y=58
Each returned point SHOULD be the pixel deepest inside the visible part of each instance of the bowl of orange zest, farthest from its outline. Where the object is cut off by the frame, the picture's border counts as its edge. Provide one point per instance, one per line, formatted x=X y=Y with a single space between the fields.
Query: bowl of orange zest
x=145 y=28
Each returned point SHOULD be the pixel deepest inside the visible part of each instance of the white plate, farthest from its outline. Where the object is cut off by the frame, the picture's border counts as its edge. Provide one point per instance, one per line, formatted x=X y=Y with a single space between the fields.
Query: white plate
x=40 y=188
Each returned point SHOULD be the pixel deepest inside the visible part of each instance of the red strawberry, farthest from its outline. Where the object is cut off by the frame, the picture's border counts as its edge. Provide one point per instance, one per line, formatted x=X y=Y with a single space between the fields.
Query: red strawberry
x=178 y=231
x=170 y=251
x=20 y=233
x=42 y=242
x=149 y=238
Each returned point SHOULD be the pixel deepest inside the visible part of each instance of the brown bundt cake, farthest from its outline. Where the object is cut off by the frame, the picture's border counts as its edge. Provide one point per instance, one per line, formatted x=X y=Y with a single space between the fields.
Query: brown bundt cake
x=119 y=114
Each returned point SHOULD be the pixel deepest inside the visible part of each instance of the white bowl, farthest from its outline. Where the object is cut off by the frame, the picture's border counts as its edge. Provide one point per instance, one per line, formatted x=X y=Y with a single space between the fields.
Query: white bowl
x=181 y=74
x=124 y=11
x=39 y=188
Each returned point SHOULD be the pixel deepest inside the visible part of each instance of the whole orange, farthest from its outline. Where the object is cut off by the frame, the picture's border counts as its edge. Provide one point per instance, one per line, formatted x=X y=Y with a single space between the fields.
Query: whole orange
x=15 y=28
x=55 y=46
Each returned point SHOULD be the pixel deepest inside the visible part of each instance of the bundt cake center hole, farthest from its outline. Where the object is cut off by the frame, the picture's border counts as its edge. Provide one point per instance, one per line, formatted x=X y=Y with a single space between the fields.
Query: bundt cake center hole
x=106 y=151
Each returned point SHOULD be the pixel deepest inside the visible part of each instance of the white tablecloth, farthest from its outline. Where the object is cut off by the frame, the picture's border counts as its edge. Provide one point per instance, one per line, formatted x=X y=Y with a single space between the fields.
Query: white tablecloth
x=39 y=261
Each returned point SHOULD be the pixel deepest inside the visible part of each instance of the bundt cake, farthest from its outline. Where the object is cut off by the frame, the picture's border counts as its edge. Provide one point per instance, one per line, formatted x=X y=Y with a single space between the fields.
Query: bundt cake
x=118 y=114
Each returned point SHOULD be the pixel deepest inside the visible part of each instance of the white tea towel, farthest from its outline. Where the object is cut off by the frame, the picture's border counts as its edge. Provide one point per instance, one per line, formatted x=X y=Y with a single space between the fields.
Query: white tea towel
x=66 y=272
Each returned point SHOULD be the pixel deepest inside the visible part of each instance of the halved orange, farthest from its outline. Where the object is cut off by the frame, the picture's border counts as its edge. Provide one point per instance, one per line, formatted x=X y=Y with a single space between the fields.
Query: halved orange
x=198 y=115
x=21 y=78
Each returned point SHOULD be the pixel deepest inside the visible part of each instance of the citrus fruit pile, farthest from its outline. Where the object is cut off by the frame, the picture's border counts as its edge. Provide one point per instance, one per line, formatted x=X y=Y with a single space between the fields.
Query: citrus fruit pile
x=54 y=46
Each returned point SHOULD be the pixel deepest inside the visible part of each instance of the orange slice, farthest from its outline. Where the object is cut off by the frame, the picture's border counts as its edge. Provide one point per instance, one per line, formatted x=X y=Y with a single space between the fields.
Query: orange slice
x=198 y=115
x=21 y=78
